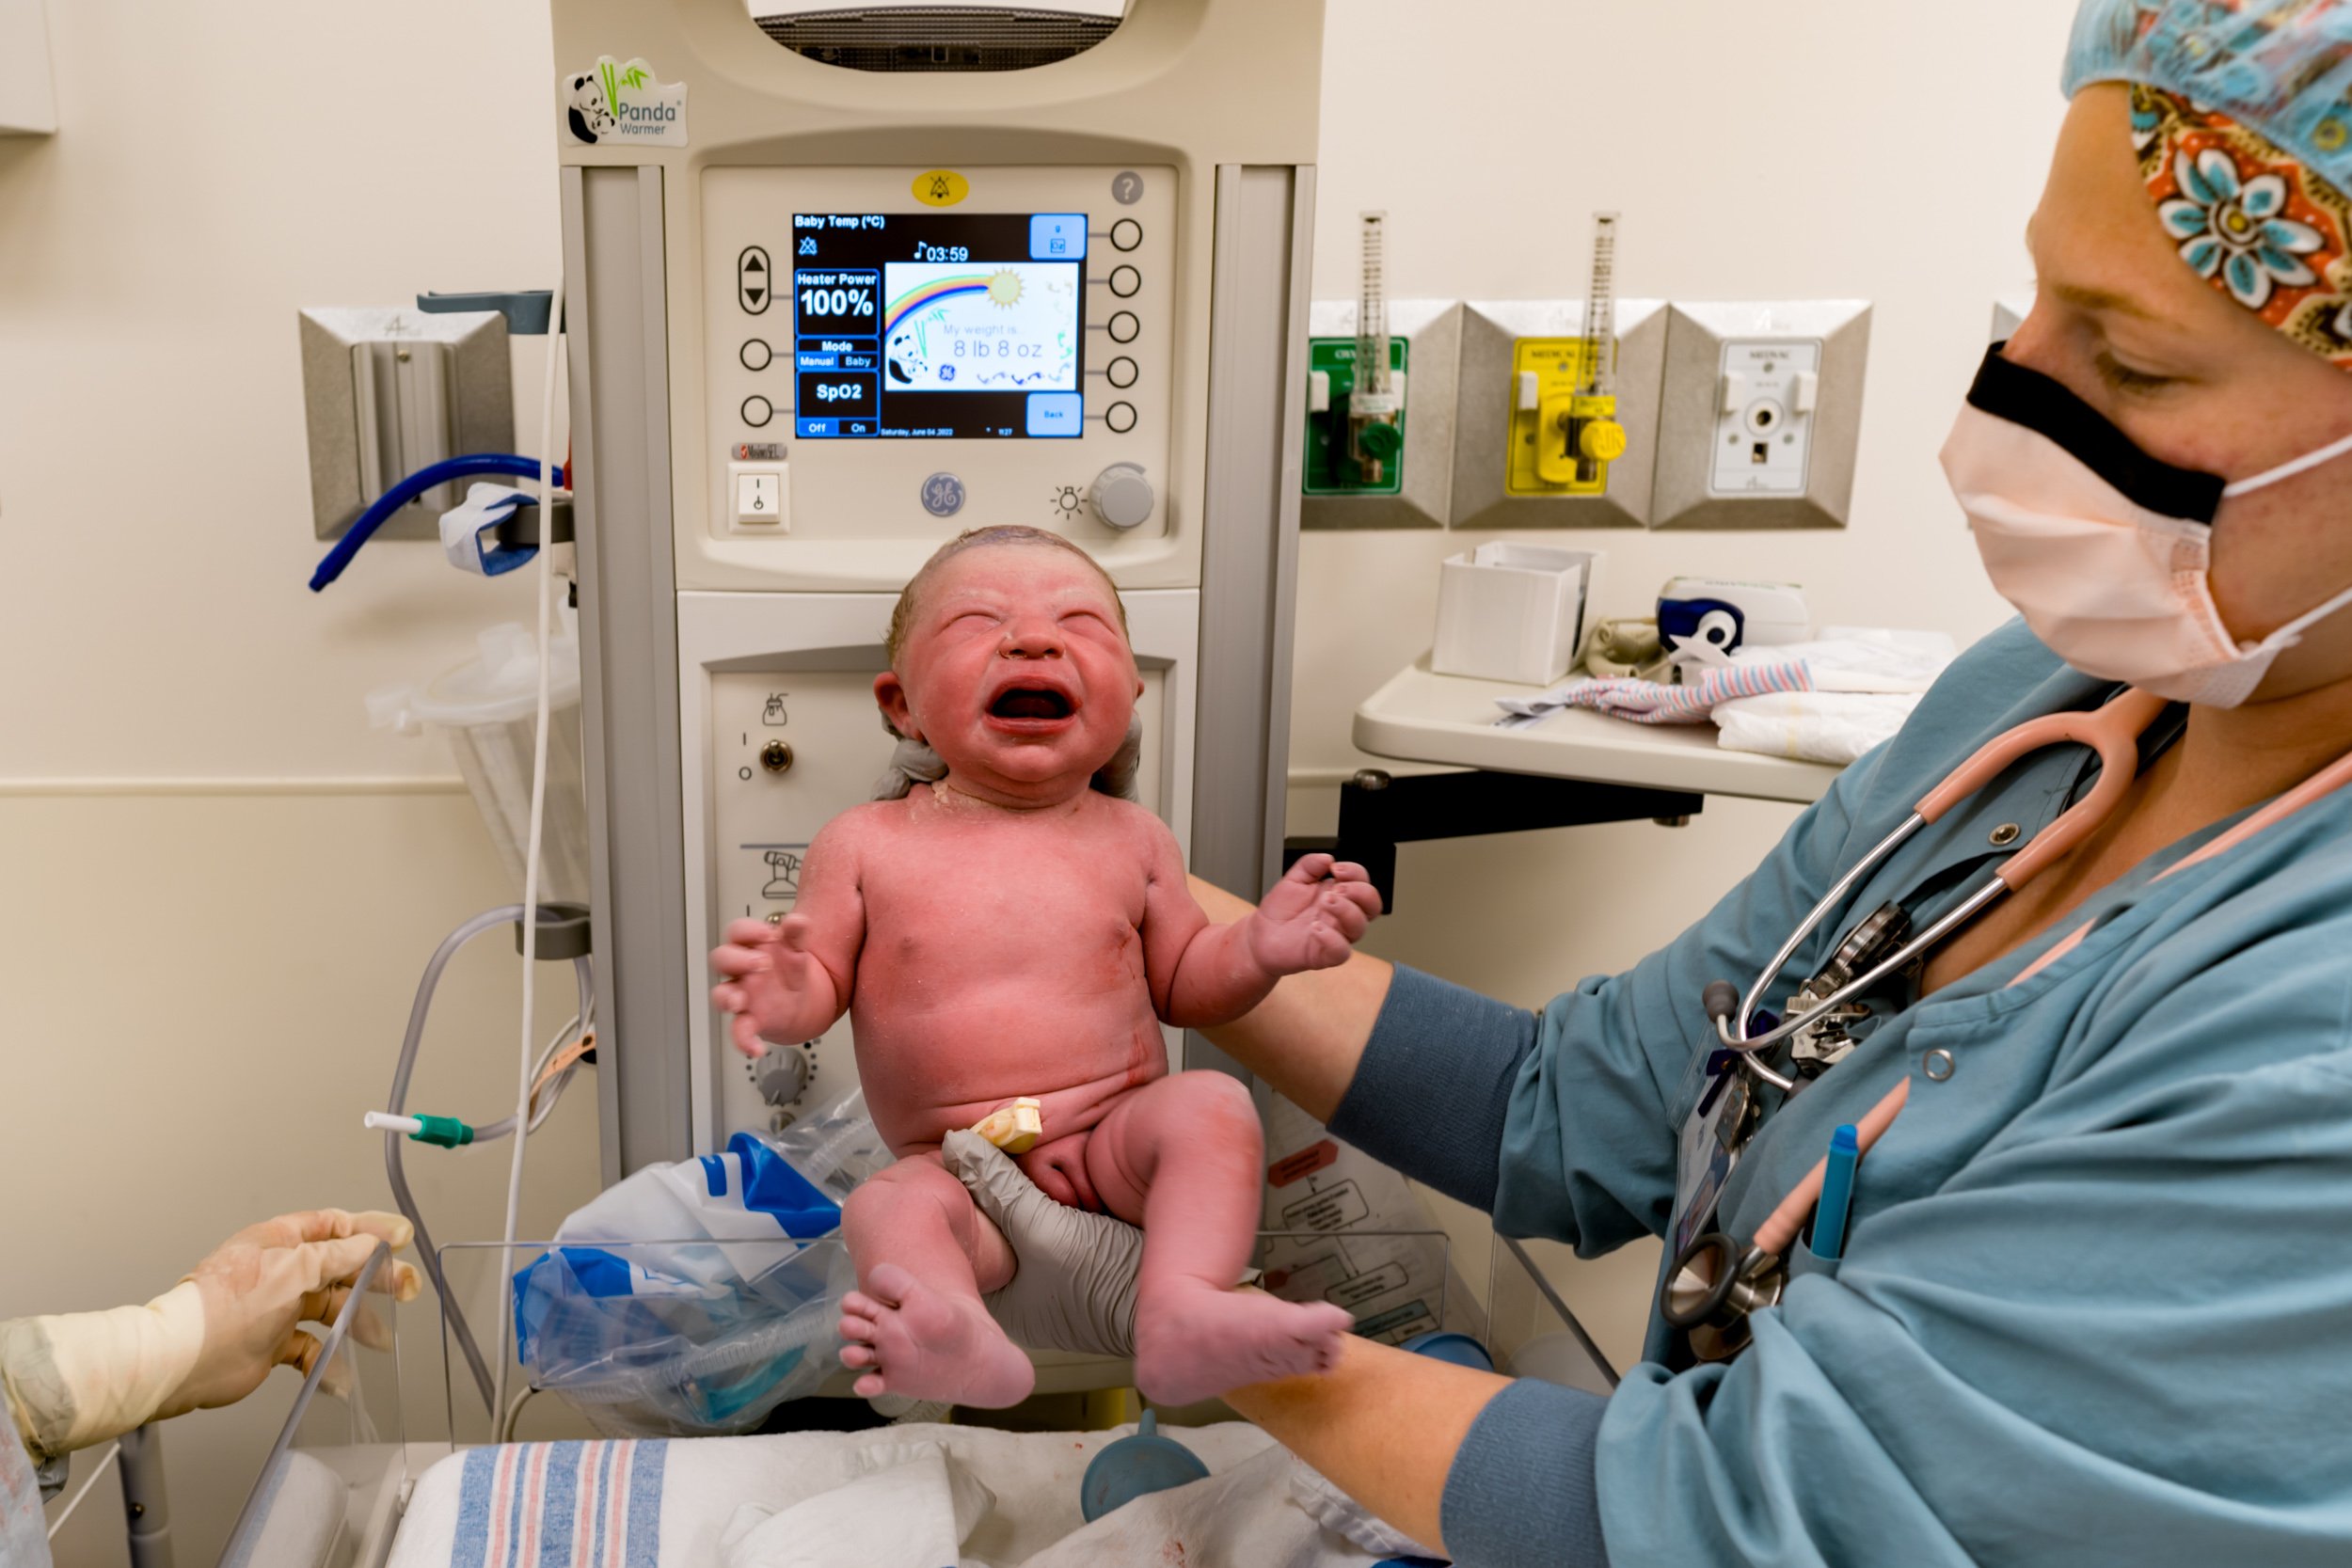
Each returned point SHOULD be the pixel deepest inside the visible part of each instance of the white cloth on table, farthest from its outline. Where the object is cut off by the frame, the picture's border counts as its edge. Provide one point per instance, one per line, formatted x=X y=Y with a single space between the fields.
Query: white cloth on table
x=1826 y=701
x=647 y=1504
x=911 y=1508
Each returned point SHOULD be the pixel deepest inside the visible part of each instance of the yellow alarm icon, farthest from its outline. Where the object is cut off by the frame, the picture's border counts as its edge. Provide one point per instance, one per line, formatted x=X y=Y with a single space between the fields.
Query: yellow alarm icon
x=940 y=188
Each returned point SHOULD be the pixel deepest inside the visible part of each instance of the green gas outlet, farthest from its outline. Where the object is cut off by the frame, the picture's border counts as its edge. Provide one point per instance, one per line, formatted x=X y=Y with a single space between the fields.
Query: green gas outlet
x=1333 y=467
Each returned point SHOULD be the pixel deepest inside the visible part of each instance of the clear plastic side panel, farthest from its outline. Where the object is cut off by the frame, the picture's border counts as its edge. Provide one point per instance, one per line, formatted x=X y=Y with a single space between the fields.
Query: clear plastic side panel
x=334 y=1479
x=1531 y=1333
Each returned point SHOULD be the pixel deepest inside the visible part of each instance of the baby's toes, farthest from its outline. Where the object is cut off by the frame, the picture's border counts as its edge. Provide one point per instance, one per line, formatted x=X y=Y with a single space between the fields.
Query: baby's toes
x=856 y=1356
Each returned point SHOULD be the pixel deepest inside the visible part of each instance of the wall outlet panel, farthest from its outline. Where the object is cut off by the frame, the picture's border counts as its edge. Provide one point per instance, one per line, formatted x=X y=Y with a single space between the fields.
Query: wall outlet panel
x=1743 y=453
x=1430 y=332
x=1327 y=468
x=480 y=404
x=1498 y=337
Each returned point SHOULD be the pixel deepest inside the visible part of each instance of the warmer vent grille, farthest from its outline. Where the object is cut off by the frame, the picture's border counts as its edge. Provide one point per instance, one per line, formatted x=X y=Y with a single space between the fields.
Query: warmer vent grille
x=943 y=38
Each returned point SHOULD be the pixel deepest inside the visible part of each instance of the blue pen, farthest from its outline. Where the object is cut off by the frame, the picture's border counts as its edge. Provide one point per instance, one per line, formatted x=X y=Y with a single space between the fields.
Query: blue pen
x=1829 y=1220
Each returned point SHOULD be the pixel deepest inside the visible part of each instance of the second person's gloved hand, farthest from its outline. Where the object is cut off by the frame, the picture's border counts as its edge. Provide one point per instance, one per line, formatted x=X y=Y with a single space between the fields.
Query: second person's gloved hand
x=1074 y=1284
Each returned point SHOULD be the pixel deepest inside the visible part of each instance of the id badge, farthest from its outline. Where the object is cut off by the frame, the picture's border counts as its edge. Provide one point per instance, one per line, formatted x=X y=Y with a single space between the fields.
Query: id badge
x=1710 y=1141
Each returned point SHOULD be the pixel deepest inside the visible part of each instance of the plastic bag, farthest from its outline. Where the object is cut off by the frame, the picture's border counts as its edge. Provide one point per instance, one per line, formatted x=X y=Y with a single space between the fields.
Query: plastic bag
x=696 y=1297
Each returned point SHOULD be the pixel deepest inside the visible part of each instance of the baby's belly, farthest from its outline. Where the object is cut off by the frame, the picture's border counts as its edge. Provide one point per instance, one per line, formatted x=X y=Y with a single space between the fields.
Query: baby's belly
x=931 y=1071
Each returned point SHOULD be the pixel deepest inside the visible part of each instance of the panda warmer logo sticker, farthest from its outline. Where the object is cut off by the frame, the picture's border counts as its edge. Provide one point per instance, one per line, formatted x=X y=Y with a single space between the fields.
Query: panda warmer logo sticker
x=619 y=105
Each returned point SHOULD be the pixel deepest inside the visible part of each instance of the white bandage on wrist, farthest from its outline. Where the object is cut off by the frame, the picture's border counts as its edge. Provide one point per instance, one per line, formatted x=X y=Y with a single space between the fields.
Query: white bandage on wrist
x=80 y=1378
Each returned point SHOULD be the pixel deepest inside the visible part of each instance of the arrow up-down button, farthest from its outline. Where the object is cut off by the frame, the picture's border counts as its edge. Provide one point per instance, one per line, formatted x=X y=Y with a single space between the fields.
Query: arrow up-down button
x=753 y=281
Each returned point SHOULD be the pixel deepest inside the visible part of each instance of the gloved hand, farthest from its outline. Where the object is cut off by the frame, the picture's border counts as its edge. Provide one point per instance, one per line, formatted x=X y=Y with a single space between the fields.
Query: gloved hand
x=1073 y=1283
x=80 y=1378
x=262 y=1281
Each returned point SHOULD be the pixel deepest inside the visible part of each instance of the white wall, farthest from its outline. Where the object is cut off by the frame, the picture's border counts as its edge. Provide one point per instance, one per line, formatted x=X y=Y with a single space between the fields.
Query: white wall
x=202 y=983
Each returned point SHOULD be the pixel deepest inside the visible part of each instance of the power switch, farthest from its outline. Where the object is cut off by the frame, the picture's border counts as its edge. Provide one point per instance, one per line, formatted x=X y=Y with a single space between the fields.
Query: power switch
x=1804 y=392
x=759 y=497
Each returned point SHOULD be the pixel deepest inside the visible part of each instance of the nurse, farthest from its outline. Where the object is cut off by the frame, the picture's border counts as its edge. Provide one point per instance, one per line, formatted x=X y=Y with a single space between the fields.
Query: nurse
x=2095 y=1300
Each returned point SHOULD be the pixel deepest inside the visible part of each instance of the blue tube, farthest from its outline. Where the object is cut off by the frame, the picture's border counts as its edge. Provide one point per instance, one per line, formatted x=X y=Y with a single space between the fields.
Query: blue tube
x=414 y=486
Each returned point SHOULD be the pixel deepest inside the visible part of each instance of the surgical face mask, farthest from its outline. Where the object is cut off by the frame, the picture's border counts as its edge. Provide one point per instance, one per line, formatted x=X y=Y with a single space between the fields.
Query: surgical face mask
x=2103 y=550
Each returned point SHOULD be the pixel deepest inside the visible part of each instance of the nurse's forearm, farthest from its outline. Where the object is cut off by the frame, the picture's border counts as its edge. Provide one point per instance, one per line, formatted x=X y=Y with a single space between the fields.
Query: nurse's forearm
x=1383 y=1426
x=1307 y=1038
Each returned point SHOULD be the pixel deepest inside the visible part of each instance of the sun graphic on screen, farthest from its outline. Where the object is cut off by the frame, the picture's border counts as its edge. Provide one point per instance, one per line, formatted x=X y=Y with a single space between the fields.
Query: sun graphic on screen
x=1004 y=290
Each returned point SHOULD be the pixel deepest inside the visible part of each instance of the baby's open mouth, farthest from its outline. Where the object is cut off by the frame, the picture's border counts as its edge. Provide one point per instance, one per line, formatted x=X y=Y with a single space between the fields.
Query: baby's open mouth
x=1029 y=702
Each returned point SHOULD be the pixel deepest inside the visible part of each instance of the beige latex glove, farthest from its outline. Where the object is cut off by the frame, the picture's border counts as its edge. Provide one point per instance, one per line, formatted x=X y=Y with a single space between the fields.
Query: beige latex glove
x=81 y=1378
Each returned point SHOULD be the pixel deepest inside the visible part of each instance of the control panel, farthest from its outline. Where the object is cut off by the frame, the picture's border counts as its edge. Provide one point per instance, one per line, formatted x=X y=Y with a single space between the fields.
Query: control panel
x=790 y=749
x=903 y=354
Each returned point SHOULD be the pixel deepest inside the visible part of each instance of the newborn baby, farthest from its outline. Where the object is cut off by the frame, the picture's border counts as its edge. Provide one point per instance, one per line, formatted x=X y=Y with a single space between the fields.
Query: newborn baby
x=1010 y=933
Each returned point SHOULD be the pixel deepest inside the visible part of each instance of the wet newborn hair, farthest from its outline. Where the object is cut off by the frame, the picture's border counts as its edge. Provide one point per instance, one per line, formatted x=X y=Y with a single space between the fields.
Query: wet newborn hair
x=902 y=613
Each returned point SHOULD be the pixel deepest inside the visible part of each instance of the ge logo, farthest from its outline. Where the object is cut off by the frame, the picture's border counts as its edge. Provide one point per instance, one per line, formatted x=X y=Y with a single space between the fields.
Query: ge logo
x=1127 y=187
x=943 y=494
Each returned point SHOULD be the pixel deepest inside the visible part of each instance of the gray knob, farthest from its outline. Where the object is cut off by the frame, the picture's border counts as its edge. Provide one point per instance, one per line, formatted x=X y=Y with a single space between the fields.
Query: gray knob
x=787 y=1074
x=1121 y=495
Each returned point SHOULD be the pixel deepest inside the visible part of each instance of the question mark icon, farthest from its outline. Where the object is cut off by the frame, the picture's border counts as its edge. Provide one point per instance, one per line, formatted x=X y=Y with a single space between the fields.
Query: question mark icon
x=1127 y=188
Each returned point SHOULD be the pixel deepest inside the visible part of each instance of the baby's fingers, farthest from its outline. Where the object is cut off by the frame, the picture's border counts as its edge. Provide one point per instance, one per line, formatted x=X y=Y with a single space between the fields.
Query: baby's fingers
x=746 y=1032
x=735 y=962
x=1347 y=918
x=1313 y=869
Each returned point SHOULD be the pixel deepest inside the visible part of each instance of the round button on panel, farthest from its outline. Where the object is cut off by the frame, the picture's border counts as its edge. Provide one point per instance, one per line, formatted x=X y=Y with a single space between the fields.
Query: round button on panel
x=757 y=411
x=1120 y=417
x=1122 y=371
x=1125 y=282
x=756 y=355
x=1127 y=234
x=1124 y=327
x=1121 y=495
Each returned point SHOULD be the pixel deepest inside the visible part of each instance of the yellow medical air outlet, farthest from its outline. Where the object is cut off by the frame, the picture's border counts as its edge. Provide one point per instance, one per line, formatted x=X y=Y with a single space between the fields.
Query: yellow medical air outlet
x=1565 y=432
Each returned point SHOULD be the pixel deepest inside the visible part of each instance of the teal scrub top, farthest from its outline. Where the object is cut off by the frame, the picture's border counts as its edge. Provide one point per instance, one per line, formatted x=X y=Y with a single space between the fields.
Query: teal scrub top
x=2096 y=1298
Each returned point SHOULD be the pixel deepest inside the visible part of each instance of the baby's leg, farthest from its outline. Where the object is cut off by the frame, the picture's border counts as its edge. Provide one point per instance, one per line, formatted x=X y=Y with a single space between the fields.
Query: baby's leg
x=1184 y=1156
x=924 y=1255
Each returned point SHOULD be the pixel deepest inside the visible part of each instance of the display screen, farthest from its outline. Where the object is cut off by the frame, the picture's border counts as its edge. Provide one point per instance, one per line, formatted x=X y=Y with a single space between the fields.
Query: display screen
x=947 y=325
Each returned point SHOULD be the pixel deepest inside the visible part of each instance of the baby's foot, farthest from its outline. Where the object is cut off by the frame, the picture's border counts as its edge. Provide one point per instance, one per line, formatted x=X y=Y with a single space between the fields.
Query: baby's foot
x=911 y=1340
x=1194 y=1342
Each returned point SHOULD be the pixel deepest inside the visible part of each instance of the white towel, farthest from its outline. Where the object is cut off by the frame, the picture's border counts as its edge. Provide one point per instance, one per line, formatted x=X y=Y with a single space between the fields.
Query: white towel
x=907 y=1505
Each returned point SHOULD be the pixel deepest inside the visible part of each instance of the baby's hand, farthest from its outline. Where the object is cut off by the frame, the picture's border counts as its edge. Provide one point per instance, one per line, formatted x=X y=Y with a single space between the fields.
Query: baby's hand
x=1313 y=916
x=769 y=977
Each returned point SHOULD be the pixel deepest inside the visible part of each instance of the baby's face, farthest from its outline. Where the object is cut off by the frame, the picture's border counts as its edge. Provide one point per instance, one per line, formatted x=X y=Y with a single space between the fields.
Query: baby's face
x=1016 y=673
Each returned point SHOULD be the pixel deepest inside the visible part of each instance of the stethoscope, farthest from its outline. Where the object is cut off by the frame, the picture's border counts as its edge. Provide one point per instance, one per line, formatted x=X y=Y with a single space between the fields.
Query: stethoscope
x=1718 y=1281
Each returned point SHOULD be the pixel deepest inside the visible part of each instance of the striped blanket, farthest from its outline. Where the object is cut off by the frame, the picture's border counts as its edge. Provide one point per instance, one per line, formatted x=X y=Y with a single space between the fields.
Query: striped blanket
x=561 y=1505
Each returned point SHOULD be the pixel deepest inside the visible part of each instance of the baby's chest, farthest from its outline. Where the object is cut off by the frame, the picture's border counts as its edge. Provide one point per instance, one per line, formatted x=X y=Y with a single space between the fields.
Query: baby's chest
x=1082 y=889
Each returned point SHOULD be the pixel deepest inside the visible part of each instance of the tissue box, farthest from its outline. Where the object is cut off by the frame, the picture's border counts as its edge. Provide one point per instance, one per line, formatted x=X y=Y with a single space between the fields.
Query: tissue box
x=1512 y=612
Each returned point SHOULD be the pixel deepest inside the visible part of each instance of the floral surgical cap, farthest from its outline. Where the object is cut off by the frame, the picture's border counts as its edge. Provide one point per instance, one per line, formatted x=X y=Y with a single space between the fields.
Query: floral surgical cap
x=2242 y=117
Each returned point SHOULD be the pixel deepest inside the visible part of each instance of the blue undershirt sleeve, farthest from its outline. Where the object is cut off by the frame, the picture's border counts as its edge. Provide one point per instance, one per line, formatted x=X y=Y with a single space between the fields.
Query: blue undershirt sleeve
x=1523 y=1492
x=1431 y=1094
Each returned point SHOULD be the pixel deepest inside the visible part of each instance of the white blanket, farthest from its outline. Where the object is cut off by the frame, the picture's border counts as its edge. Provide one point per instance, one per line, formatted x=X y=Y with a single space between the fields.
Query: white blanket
x=731 y=1501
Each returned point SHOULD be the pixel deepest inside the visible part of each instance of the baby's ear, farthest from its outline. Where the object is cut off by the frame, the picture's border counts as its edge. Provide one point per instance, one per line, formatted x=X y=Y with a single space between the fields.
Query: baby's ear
x=890 y=695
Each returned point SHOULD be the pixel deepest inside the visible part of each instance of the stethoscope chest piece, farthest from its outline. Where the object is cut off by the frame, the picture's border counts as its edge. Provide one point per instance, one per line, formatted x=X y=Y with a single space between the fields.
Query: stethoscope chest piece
x=1713 y=1288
